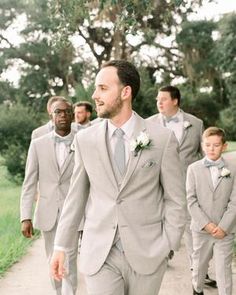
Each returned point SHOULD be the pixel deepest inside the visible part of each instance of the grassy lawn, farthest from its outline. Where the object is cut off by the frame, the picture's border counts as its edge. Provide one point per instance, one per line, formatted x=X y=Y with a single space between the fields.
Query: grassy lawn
x=231 y=146
x=12 y=244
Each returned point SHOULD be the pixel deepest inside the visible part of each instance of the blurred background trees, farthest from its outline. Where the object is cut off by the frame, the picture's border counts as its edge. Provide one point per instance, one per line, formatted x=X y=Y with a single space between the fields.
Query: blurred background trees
x=56 y=46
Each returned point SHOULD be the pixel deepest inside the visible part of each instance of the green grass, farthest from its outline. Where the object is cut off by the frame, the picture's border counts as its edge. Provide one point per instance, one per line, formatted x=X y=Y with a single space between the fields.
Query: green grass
x=231 y=146
x=12 y=243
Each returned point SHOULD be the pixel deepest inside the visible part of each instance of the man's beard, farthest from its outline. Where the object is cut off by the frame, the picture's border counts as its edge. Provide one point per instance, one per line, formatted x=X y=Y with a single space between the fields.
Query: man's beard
x=113 y=109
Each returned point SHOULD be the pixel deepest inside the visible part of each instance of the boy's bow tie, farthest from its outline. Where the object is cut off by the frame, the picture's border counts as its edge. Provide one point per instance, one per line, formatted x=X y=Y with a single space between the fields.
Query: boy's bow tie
x=208 y=164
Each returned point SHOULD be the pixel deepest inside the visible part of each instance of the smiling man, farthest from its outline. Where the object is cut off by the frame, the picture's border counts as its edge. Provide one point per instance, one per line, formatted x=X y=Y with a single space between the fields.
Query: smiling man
x=136 y=209
x=49 y=168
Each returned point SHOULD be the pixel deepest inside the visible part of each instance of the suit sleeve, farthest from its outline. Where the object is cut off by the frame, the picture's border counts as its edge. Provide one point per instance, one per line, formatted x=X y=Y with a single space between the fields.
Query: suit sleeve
x=198 y=215
x=201 y=153
x=75 y=202
x=29 y=187
x=172 y=180
x=228 y=221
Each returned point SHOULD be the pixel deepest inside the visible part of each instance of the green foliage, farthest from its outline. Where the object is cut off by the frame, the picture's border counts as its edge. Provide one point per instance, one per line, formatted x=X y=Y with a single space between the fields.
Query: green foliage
x=145 y=102
x=12 y=243
x=16 y=125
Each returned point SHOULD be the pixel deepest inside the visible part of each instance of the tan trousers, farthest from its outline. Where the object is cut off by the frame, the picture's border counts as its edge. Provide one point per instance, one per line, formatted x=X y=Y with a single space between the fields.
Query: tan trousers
x=205 y=246
x=68 y=285
x=116 y=277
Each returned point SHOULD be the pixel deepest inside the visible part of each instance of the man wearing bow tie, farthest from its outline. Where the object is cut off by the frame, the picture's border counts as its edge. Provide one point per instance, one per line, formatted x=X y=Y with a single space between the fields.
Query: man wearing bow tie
x=49 y=164
x=133 y=194
x=188 y=130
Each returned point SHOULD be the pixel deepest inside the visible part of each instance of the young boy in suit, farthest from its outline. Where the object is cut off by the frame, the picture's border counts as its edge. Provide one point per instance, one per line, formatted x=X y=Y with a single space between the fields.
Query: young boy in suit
x=211 y=196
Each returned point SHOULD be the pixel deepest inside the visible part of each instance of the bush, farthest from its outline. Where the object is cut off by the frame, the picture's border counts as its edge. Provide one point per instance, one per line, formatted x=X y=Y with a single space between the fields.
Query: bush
x=16 y=125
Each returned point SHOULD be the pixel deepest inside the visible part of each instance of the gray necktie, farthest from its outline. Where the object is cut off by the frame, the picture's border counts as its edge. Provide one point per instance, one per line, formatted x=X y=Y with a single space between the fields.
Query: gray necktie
x=119 y=152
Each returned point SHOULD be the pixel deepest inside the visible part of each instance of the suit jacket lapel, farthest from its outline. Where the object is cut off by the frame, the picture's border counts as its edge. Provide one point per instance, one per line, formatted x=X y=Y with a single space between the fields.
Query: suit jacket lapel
x=133 y=160
x=185 y=129
x=67 y=160
x=207 y=173
x=104 y=153
x=52 y=151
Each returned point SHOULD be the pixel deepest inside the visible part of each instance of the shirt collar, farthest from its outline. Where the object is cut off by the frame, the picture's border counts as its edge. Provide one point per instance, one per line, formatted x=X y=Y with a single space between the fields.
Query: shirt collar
x=127 y=127
x=69 y=136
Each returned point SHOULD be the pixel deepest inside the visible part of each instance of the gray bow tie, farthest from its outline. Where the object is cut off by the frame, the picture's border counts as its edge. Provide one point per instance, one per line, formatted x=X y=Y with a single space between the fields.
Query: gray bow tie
x=67 y=141
x=209 y=164
x=173 y=119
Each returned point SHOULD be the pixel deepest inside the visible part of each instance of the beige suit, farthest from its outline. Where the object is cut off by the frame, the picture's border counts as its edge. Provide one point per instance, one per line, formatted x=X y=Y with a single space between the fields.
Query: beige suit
x=218 y=205
x=42 y=172
x=42 y=130
x=148 y=208
x=189 y=152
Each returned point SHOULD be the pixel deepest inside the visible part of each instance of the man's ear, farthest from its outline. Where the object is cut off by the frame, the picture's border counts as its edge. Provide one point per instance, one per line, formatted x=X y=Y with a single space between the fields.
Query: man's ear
x=126 y=92
x=175 y=100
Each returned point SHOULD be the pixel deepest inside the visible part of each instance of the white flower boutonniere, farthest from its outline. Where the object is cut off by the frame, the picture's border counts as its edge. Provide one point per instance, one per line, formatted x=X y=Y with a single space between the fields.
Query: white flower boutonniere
x=187 y=124
x=72 y=148
x=225 y=172
x=141 y=142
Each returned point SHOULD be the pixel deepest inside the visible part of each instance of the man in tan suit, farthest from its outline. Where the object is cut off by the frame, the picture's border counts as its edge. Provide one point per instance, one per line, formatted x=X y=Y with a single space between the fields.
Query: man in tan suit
x=49 y=168
x=188 y=130
x=130 y=170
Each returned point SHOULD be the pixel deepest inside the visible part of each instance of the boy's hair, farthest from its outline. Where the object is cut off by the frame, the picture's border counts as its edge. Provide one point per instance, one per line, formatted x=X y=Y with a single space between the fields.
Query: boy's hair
x=215 y=131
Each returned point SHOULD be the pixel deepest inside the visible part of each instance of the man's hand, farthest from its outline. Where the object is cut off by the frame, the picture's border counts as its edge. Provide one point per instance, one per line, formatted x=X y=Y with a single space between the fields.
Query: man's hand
x=27 y=228
x=218 y=233
x=57 y=265
x=210 y=227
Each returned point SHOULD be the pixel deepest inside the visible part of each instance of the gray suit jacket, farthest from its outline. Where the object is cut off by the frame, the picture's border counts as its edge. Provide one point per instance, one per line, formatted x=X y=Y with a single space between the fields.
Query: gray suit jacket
x=42 y=130
x=149 y=208
x=207 y=204
x=190 y=144
x=42 y=173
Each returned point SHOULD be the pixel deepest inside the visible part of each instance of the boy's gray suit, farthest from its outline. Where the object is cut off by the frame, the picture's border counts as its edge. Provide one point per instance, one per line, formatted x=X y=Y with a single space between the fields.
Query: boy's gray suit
x=148 y=208
x=43 y=174
x=218 y=205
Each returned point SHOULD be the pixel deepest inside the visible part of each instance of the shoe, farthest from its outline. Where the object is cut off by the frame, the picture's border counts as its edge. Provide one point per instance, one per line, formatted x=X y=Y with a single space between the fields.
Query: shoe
x=171 y=254
x=197 y=293
x=209 y=282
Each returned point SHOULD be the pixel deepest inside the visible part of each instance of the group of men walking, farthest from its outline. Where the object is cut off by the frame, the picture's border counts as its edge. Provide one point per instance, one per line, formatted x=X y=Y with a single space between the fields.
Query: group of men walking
x=126 y=177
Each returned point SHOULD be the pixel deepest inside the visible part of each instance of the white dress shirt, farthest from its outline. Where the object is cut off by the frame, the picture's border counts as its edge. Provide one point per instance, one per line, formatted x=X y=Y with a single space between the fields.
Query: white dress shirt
x=215 y=172
x=176 y=127
x=62 y=148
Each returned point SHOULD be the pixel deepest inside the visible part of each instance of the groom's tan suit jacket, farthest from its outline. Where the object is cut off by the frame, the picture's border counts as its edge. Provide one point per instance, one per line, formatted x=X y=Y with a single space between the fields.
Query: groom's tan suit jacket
x=148 y=208
x=42 y=168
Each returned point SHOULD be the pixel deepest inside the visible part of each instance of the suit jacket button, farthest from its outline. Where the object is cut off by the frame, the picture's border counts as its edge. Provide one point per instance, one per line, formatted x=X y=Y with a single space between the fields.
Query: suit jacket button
x=118 y=201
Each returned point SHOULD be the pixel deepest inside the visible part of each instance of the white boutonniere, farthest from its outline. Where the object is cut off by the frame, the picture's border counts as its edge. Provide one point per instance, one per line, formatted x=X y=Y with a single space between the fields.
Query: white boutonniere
x=141 y=142
x=187 y=124
x=72 y=148
x=225 y=172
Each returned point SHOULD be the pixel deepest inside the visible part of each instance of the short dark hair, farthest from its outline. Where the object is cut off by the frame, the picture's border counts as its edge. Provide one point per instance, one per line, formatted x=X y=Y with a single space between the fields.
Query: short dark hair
x=88 y=106
x=53 y=99
x=174 y=92
x=127 y=73
x=210 y=131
